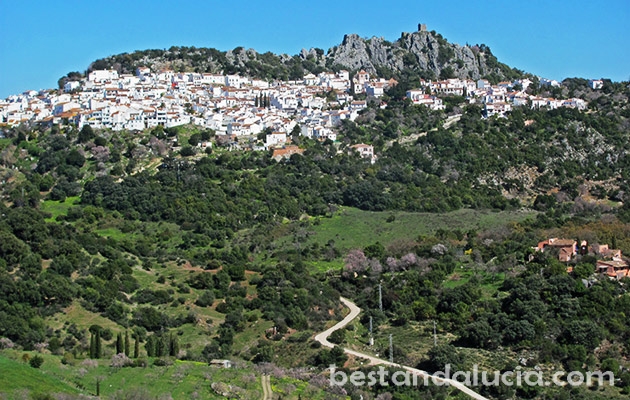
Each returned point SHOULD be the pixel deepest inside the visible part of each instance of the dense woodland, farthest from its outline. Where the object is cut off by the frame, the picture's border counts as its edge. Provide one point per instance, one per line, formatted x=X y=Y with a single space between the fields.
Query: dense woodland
x=239 y=223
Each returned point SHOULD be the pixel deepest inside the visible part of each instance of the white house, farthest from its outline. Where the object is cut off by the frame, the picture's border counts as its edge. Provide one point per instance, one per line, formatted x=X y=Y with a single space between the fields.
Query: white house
x=483 y=83
x=359 y=81
x=103 y=75
x=358 y=105
x=70 y=86
x=365 y=151
x=574 y=103
x=497 y=108
x=322 y=133
x=375 y=89
x=418 y=96
x=143 y=71
x=549 y=82
x=65 y=107
x=276 y=139
x=343 y=74
x=310 y=79
x=235 y=80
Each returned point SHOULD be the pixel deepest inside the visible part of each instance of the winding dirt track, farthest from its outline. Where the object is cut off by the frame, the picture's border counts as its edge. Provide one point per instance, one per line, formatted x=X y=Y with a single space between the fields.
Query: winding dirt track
x=265 y=380
x=354 y=312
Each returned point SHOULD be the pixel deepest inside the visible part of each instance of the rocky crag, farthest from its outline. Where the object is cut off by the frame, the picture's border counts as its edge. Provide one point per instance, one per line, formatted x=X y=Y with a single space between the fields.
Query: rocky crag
x=425 y=54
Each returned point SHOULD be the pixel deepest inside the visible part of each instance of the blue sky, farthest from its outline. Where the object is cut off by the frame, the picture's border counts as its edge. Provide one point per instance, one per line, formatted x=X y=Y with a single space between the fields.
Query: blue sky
x=40 y=41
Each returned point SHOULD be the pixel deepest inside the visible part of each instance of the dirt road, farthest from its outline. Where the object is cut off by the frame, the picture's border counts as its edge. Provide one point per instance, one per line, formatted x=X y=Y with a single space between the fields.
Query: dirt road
x=354 y=312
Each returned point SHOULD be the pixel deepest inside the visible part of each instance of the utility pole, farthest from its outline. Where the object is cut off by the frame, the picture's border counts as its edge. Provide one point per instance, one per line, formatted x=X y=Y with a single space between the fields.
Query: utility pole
x=391 y=349
x=380 y=297
x=434 y=334
x=371 y=336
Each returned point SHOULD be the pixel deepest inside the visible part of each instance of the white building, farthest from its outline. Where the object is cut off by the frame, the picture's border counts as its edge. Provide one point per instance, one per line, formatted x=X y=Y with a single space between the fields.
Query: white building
x=418 y=96
x=365 y=151
x=71 y=86
x=103 y=75
x=276 y=139
x=499 y=108
x=595 y=84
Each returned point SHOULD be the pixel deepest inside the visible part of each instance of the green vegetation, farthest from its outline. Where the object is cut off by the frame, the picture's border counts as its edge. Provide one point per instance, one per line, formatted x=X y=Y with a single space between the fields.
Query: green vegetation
x=56 y=208
x=124 y=262
x=352 y=228
x=16 y=376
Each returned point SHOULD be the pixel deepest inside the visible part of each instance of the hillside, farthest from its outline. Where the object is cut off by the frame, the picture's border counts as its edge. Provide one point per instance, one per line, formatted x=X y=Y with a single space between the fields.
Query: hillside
x=16 y=376
x=421 y=53
x=136 y=257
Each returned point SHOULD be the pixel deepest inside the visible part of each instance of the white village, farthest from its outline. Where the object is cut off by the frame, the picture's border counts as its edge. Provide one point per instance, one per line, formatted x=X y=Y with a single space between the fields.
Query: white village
x=240 y=106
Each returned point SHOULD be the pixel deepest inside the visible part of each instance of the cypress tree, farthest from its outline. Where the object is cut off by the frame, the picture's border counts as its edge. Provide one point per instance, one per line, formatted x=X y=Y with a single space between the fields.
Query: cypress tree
x=97 y=346
x=92 y=346
x=256 y=102
x=136 y=348
x=119 y=343
x=173 y=346
x=127 y=344
x=159 y=347
x=150 y=346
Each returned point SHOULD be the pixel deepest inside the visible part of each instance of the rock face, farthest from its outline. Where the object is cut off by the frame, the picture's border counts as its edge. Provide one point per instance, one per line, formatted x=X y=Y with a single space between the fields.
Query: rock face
x=420 y=51
x=428 y=54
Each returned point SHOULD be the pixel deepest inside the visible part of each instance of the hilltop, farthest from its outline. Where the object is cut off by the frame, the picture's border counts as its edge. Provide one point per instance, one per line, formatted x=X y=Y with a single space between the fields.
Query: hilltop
x=423 y=53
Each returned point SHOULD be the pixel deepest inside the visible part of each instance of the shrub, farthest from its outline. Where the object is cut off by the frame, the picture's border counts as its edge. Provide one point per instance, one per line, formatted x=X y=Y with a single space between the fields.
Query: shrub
x=337 y=336
x=141 y=362
x=206 y=299
x=6 y=343
x=162 y=362
x=121 y=360
x=36 y=361
x=68 y=359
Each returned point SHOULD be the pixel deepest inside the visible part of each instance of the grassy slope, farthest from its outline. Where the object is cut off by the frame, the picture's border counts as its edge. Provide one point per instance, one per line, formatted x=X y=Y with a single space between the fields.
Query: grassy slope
x=83 y=318
x=57 y=208
x=349 y=228
x=181 y=380
x=352 y=228
x=18 y=376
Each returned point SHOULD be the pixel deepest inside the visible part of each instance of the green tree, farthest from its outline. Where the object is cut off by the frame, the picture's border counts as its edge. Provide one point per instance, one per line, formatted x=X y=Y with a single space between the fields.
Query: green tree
x=92 y=345
x=376 y=250
x=442 y=355
x=119 y=343
x=98 y=345
x=173 y=345
x=85 y=134
x=136 y=348
x=127 y=344
x=149 y=346
x=338 y=336
x=187 y=151
x=194 y=139
x=75 y=158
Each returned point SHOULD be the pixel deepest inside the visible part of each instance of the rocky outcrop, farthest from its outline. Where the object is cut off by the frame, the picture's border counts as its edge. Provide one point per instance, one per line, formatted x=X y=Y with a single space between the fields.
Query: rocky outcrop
x=420 y=51
x=426 y=53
